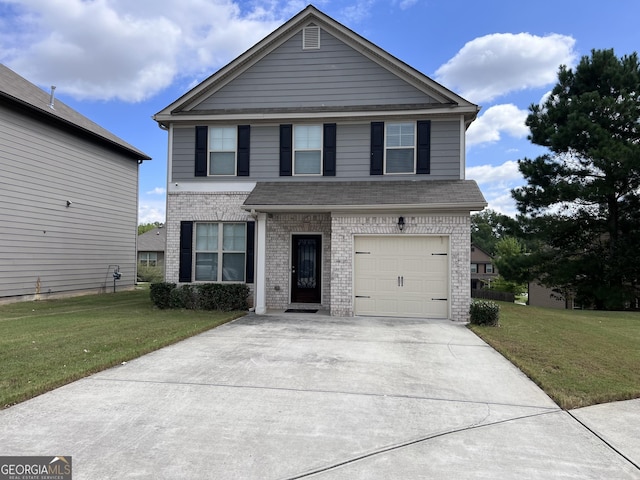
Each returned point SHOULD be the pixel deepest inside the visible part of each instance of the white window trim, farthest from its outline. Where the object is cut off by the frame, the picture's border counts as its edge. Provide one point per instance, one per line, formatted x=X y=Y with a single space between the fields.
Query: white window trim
x=415 y=148
x=220 y=252
x=294 y=150
x=235 y=152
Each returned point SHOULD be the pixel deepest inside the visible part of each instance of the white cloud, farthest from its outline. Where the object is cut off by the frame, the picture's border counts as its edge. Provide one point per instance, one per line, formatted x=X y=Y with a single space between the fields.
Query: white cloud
x=494 y=65
x=493 y=174
x=496 y=183
x=404 y=4
x=358 y=11
x=157 y=191
x=505 y=118
x=151 y=211
x=129 y=50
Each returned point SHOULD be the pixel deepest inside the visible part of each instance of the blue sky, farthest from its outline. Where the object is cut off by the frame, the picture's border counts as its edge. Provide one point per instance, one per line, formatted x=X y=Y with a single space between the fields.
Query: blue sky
x=118 y=62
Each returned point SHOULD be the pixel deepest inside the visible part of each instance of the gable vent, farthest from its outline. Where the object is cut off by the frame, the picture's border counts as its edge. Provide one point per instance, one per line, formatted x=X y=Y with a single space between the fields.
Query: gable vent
x=311 y=37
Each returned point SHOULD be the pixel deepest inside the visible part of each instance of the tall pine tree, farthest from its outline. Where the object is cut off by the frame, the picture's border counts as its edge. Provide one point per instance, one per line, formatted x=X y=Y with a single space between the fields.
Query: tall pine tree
x=583 y=198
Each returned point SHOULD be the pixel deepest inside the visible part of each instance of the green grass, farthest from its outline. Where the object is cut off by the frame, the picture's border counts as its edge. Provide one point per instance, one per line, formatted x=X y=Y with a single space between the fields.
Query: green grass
x=46 y=344
x=577 y=357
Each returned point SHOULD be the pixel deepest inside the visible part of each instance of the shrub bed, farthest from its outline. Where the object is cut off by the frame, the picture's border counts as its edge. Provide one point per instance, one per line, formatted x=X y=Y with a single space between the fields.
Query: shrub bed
x=203 y=296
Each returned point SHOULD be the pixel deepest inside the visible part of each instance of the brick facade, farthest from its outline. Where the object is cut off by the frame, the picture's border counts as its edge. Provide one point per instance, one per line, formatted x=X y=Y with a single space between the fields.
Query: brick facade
x=280 y=228
x=456 y=227
x=337 y=233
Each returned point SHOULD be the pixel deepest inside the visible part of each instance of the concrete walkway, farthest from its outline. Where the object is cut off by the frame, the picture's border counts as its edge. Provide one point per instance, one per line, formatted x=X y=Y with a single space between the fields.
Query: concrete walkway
x=289 y=396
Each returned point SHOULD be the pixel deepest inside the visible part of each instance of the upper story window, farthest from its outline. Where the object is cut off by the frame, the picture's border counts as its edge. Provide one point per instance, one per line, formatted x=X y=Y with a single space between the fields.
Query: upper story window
x=307 y=148
x=222 y=150
x=400 y=146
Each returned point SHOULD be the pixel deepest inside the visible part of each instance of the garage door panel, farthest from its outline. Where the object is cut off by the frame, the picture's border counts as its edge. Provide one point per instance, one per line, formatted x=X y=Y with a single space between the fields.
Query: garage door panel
x=402 y=276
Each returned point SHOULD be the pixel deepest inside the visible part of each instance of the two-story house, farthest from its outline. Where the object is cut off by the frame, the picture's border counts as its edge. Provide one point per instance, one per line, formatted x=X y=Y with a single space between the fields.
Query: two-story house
x=483 y=268
x=324 y=173
x=68 y=198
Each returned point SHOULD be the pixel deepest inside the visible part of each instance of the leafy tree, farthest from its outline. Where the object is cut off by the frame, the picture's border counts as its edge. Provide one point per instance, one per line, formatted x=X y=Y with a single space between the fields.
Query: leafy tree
x=582 y=199
x=145 y=227
x=489 y=226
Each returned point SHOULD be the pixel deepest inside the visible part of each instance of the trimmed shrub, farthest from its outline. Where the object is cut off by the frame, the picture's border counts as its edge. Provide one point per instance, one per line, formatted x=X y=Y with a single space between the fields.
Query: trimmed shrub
x=160 y=294
x=203 y=296
x=484 y=312
x=224 y=297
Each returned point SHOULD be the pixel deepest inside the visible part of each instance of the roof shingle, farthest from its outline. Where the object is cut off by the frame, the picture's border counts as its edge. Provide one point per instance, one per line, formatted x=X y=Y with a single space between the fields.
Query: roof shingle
x=431 y=194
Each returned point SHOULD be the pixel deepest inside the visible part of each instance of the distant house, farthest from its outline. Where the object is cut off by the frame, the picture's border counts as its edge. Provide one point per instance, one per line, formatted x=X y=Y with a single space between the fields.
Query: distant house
x=483 y=270
x=68 y=198
x=151 y=247
x=324 y=173
x=541 y=296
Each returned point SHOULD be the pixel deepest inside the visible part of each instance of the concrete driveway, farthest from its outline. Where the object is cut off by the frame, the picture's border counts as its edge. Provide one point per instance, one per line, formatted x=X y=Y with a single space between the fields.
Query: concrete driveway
x=291 y=396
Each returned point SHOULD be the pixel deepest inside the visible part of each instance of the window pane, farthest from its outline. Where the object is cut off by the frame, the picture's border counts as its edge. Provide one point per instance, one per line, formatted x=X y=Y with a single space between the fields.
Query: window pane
x=222 y=139
x=307 y=137
x=222 y=163
x=400 y=135
x=307 y=163
x=207 y=266
x=207 y=236
x=400 y=160
x=233 y=237
x=233 y=267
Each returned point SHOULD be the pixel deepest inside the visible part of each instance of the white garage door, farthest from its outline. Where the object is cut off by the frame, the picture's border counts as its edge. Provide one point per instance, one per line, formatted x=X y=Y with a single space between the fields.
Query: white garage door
x=402 y=276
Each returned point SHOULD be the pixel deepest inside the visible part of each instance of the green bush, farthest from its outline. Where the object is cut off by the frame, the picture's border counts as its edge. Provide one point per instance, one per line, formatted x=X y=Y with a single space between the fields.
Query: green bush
x=204 y=296
x=150 y=274
x=224 y=297
x=484 y=312
x=160 y=294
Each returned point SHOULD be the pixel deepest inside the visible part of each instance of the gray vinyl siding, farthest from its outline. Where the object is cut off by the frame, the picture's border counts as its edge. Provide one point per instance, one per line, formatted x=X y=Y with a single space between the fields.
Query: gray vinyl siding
x=334 y=75
x=69 y=249
x=352 y=147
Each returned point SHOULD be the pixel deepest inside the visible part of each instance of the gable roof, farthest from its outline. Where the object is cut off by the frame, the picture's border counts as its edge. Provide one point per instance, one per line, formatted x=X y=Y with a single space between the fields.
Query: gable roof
x=153 y=240
x=450 y=102
x=375 y=196
x=20 y=92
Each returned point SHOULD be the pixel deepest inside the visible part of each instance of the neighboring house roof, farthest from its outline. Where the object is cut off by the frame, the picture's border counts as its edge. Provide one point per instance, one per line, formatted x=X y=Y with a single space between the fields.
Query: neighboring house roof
x=446 y=100
x=20 y=91
x=474 y=258
x=153 y=240
x=390 y=195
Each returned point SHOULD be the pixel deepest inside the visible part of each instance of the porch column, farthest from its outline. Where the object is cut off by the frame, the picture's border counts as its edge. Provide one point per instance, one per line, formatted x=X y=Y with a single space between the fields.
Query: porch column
x=261 y=263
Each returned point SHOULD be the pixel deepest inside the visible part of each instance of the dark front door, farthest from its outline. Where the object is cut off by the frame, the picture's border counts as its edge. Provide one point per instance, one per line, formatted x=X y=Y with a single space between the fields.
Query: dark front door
x=306 y=269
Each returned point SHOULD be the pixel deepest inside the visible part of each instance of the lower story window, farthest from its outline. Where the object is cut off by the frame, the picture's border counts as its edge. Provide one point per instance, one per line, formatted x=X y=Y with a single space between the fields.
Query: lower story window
x=148 y=259
x=220 y=252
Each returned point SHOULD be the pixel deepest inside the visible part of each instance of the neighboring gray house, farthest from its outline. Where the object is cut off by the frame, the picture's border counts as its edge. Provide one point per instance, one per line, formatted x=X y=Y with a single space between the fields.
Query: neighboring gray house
x=68 y=198
x=151 y=247
x=325 y=174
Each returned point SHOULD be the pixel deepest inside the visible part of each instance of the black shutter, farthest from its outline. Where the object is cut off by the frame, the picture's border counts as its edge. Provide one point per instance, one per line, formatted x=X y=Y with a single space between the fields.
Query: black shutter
x=244 y=138
x=329 y=150
x=250 y=268
x=201 y=151
x=377 y=148
x=186 y=245
x=286 y=150
x=424 y=147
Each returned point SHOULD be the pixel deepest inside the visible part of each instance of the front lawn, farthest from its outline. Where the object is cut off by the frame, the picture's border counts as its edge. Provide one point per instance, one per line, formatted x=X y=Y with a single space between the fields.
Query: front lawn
x=578 y=357
x=46 y=344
